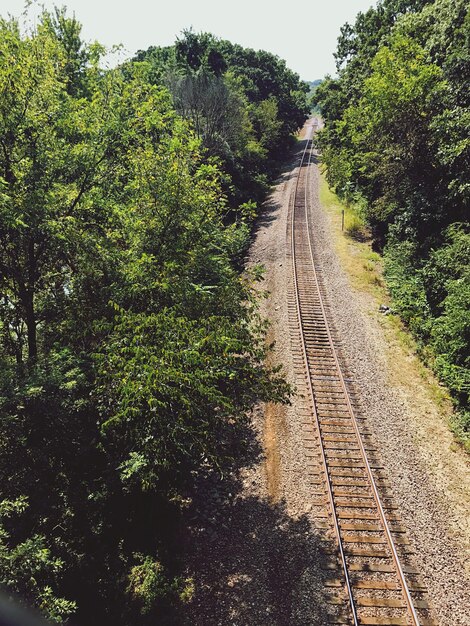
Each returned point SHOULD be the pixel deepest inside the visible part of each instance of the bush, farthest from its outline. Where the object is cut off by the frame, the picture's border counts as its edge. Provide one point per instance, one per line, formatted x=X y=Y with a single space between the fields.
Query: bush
x=406 y=287
x=451 y=340
x=28 y=568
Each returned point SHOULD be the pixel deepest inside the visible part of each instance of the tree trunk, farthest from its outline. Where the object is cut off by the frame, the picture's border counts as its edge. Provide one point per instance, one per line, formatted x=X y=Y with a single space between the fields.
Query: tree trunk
x=28 y=302
x=31 y=325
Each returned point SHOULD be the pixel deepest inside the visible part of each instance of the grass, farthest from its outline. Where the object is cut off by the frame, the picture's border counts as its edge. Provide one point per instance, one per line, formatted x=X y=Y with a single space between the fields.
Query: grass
x=354 y=245
x=365 y=270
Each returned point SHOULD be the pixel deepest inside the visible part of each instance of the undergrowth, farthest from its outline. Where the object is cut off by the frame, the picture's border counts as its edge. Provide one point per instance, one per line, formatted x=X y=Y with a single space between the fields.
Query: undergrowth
x=437 y=332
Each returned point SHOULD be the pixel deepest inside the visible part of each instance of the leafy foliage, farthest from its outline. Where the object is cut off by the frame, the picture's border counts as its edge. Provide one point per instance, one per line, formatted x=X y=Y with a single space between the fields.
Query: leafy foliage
x=243 y=104
x=397 y=136
x=184 y=385
x=28 y=568
x=131 y=348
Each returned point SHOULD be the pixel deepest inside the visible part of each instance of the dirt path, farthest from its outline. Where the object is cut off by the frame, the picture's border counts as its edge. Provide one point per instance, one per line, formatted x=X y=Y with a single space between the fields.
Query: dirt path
x=257 y=555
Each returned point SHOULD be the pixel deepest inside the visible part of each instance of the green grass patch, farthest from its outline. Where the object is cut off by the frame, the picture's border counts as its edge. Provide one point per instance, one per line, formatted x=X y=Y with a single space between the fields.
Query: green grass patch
x=353 y=242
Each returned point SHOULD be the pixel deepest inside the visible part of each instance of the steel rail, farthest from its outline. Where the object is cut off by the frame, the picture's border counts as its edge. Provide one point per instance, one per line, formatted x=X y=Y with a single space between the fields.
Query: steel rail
x=390 y=542
x=312 y=394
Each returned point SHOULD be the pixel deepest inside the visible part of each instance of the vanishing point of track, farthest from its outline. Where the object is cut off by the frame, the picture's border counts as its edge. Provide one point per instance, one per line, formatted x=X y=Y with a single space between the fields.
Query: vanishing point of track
x=373 y=580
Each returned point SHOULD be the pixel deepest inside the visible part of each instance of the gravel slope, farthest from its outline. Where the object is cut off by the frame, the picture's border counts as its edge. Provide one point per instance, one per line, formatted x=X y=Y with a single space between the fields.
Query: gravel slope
x=255 y=546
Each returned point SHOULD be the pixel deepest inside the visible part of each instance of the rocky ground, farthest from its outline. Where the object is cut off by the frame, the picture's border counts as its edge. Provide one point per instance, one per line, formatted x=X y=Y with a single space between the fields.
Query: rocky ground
x=255 y=547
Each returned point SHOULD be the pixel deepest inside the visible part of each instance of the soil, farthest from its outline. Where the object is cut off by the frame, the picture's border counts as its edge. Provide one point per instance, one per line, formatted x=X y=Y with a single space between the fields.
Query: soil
x=255 y=548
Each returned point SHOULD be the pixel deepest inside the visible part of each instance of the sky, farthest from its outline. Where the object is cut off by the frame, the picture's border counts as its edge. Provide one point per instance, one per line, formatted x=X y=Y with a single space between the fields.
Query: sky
x=304 y=33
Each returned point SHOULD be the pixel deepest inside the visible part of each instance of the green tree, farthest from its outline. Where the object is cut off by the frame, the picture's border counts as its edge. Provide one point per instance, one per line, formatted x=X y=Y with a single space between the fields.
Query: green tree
x=28 y=569
x=132 y=351
x=231 y=95
x=397 y=138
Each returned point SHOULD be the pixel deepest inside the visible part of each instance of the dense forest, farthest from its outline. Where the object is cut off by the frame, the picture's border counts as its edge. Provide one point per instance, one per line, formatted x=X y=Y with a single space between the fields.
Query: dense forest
x=396 y=145
x=131 y=347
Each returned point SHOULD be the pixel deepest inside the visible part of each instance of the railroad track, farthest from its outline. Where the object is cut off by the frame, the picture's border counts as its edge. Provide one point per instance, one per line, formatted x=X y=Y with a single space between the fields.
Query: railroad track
x=372 y=577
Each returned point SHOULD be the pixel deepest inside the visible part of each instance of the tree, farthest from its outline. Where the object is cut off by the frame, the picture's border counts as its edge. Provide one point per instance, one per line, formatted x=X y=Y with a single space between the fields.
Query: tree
x=31 y=109
x=216 y=109
x=230 y=94
x=66 y=30
x=132 y=351
x=396 y=139
x=45 y=181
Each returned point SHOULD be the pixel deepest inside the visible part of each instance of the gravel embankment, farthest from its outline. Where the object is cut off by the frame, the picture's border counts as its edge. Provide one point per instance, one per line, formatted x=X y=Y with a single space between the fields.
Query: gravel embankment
x=255 y=547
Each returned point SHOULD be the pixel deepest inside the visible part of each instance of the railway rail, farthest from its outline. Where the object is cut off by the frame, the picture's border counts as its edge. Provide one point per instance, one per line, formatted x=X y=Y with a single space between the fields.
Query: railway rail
x=373 y=579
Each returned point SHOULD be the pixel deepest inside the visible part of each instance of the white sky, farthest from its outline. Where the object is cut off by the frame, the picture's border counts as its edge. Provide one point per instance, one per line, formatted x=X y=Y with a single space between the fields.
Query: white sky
x=303 y=33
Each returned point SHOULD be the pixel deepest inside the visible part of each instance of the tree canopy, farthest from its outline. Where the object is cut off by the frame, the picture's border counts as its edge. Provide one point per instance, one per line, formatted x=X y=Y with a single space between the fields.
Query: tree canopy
x=244 y=105
x=131 y=347
x=396 y=141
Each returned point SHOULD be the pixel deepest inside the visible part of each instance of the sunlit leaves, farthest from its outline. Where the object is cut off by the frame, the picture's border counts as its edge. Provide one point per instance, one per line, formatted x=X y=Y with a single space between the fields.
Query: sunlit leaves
x=132 y=352
x=397 y=135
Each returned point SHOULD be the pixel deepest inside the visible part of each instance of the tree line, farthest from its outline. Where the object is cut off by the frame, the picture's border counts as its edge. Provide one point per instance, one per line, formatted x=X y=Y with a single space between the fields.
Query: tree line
x=131 y=347
x=396 y=144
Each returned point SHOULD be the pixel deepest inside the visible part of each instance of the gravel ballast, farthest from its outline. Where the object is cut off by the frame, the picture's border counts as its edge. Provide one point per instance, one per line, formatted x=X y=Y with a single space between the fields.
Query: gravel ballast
x=255 y=549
